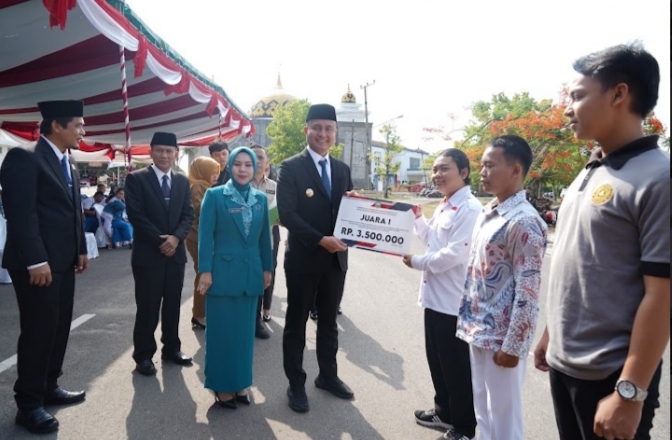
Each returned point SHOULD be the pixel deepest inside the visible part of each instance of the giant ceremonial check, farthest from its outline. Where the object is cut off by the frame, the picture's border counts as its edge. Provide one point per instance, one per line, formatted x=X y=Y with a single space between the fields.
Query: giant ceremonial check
x=375 y=225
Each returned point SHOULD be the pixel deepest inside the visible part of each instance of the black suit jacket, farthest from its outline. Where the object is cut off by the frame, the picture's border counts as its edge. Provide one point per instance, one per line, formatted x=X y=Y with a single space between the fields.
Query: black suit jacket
x=44 y=220
x=223 y=178
x=308 y=213
x=151 y=217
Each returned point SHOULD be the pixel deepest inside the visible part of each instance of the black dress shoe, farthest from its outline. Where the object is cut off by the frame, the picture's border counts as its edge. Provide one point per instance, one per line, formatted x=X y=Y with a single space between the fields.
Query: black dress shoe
x=335 y=386
x=59 y=396
x=298 y=401
x=37 y=421
x=178 y=357
x=195 y=323
x=230 y=404
x=245 y=400
x=146 y=367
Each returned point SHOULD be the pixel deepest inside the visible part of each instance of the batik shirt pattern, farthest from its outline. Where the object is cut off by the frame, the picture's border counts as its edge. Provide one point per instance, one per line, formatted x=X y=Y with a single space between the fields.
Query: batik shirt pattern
x=499 y=306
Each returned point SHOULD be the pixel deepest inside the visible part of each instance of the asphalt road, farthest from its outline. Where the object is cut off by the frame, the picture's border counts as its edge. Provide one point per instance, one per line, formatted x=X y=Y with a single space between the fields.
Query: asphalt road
x=381 y=357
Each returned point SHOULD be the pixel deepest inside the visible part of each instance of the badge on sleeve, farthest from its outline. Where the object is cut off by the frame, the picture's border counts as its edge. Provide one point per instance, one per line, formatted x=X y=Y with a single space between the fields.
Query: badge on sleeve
x=310 y=192
x=602 y=194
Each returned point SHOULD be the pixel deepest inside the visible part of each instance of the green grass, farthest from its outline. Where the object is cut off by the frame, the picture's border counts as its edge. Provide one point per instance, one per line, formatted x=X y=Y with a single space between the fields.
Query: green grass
x=429 y=208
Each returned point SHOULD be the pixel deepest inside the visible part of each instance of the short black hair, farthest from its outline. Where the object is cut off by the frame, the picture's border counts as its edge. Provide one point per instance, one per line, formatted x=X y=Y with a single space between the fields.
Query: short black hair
x=116 y=191
x=98 y=193
x=460 y=159
x=218 y=146
x=45 y=124
x=629 y=64
x=515 y=149
x=258 y=147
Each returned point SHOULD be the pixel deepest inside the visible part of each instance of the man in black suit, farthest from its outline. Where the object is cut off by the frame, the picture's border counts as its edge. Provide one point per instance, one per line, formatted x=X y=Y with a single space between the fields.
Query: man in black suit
x=219 y=150
x=310 y=187
x=158 y=204
x=45 y=248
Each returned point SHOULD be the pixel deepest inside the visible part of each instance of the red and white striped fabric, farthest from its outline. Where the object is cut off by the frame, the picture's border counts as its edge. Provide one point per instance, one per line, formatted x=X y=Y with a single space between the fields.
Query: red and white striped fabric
x=78 y=57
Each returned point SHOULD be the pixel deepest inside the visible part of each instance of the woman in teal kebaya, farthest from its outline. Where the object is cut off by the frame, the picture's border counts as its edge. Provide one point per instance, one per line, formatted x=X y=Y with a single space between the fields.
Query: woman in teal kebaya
x=235 y=261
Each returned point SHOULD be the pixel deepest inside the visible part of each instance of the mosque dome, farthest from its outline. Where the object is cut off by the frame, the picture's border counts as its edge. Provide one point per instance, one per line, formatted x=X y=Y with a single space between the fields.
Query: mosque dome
x=349 y=97
x=267 y=106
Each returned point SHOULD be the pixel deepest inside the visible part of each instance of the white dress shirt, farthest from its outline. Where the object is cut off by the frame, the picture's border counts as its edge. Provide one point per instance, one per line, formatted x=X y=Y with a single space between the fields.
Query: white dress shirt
x=317 y=158
x=160 y=174
x=447 y=236
x=59 y=156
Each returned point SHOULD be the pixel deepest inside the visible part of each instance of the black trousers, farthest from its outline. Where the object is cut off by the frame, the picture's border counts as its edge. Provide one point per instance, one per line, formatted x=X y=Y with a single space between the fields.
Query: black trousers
x=45 y=314
x=154 y=284
x=450 y=368
x=325 y=290
x=575 y=402
x=267 y=299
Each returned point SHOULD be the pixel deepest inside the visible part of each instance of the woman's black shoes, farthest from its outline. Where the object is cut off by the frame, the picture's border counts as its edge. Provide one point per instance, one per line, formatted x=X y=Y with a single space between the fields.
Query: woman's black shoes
x=245 y=400
x=195 y=323
x=230 y=404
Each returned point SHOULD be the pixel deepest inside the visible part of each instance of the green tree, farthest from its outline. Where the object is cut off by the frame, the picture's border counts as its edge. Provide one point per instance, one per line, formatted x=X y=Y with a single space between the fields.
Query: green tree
x=388 y=167
x=428 y=164
x=286 y=131
x=558 y=155
x=336 y=151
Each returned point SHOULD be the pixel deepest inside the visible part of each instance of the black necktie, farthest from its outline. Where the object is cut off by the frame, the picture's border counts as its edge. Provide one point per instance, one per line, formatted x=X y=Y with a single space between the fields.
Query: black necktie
x=165 y=189
x=325 y=177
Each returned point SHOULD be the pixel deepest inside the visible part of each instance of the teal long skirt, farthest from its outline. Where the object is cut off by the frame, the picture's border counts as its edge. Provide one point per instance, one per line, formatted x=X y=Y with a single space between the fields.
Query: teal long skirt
x=229 y=342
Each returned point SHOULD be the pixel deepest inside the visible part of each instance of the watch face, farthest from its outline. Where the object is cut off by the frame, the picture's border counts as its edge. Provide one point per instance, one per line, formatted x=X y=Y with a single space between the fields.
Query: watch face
x=627 y=390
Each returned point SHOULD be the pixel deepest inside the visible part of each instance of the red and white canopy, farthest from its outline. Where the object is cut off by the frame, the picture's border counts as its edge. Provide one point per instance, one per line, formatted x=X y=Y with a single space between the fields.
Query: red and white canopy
x=71 y=49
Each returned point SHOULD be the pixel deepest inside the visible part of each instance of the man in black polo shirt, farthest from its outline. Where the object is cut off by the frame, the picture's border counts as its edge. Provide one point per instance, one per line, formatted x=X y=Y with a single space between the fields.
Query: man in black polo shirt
x=609 y=285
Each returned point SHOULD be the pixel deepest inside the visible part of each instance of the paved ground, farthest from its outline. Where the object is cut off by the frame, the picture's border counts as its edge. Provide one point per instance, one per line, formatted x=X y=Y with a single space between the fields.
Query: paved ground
x=381 y=357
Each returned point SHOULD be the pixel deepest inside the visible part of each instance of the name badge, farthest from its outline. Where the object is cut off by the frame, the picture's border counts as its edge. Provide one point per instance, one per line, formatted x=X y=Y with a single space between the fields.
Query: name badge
x=270 y=191
x=235 y=210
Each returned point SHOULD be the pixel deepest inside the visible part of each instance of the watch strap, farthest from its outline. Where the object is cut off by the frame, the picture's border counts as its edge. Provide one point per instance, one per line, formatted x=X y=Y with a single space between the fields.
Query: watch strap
x=640 y=394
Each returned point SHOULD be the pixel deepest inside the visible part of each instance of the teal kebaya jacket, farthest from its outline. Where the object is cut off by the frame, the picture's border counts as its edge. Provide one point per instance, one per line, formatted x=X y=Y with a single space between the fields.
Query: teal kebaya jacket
x=236 y=257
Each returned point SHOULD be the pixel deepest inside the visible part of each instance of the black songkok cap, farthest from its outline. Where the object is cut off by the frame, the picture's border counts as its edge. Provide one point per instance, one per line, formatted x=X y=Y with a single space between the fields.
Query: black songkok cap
x=321 y=111
x=163 y=138
x=61 y=109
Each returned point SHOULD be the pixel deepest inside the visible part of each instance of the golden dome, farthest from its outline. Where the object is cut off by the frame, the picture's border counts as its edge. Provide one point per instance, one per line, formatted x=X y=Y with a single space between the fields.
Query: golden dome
x=349 y=97
x=267 y=106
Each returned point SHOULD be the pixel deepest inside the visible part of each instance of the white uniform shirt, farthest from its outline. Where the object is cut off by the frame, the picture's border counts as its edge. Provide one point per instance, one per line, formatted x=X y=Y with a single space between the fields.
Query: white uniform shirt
x=447 y=237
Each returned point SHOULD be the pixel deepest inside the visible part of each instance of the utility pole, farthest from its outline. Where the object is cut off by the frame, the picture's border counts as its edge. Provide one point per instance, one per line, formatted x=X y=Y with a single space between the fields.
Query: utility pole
x=366 y=129
x=352 y=142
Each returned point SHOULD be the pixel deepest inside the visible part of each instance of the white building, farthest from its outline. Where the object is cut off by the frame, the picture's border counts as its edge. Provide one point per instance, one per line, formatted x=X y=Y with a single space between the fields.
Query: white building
x=410 y=171
x=352 y=134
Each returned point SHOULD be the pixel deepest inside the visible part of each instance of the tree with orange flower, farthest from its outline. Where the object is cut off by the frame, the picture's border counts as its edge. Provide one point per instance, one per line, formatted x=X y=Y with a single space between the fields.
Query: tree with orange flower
x=558 y=155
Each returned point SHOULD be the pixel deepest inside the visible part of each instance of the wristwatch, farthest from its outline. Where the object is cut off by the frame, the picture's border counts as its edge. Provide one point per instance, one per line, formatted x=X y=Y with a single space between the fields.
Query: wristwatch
x=629 y=391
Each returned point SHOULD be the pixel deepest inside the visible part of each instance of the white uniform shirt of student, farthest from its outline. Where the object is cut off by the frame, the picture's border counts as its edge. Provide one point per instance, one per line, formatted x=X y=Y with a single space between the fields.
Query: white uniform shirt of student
x=447 y=238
